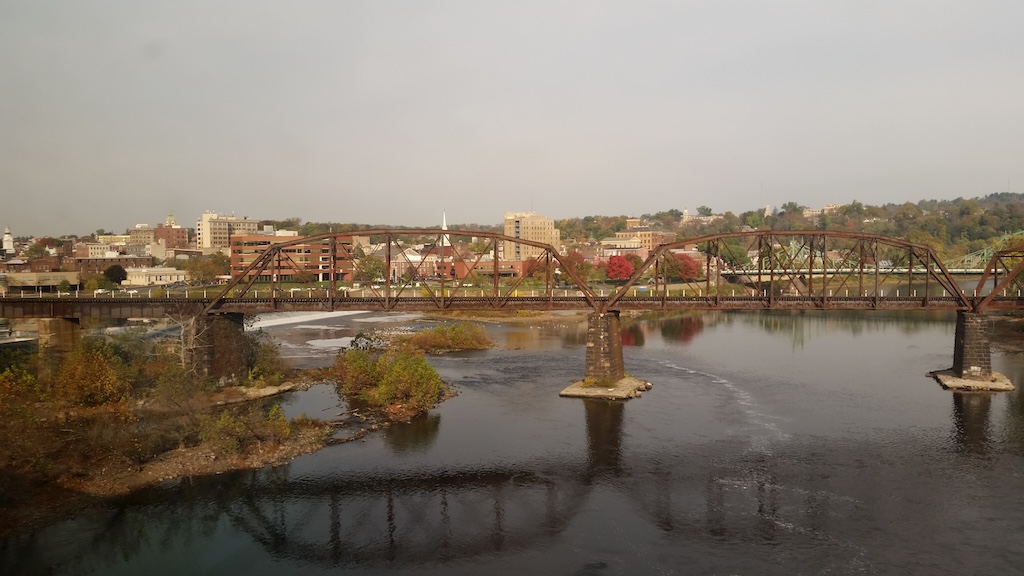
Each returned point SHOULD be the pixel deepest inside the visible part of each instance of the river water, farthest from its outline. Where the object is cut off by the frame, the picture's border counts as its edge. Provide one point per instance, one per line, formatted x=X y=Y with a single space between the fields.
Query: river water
x=770 y=444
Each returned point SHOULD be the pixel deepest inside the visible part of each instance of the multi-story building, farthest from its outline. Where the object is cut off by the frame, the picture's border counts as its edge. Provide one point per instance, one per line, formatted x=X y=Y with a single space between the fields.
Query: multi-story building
x=172 y=235
x=649 y=237
x=528 y=226
x=141 y=234
x=816 y=212
x=113 y=239
x=214 y=231
x=300 y=261
x=98 y=265
x=93 y=250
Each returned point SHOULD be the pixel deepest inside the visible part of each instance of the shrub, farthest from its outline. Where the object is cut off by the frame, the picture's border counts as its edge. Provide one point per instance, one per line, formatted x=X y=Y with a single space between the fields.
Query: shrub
x=448 y=337
x=267 y=368
x=92 y=375
x=231 y=432
x=397 y=376
x=17 y=389
x=356 y=370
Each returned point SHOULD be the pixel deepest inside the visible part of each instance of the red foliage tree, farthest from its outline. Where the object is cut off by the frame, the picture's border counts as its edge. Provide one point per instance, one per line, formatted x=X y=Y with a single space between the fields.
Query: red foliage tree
x=619 y=268
x=683 y=267
x=577 y=263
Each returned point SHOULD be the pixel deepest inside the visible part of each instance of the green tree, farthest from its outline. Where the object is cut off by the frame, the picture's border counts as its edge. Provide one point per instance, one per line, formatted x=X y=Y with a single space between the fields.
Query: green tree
x=36 y=250
x=369 y=268
x=704 y=211
x=116 y=274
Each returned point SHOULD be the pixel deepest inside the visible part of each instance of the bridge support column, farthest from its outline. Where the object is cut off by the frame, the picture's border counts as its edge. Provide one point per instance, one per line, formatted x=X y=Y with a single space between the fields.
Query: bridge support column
x=57 y=338
x=972 y=356
x=59 y=335
x=218 y=346
x=604 y=347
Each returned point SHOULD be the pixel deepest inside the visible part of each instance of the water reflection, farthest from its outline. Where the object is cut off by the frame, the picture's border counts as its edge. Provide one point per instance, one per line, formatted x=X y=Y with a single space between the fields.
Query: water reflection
x=604 y=436
x=682 y=330
x=417 y=435
x=798 y=326
x=971 y=420
x=710 y=471
x=633 y=334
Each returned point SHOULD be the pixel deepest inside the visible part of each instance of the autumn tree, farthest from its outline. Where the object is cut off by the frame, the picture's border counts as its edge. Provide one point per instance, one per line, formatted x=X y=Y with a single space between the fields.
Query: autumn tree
x=575 y=263
x=681 y=267
x=635 y=260
x=204 y=270
x=619 y=268
x=536 y=269
x=93 y=374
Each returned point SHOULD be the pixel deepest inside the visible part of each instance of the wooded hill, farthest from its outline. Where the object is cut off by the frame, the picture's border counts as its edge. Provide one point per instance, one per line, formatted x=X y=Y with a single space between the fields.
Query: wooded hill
x=951 y=227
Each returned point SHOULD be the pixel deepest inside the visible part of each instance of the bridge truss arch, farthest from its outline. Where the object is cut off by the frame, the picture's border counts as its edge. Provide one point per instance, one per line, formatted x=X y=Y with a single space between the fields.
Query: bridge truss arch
x=419 y=284
x=799 y=269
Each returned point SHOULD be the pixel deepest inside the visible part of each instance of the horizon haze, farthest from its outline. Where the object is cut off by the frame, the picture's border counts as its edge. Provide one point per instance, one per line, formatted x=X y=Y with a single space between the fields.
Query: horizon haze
x=118 y=112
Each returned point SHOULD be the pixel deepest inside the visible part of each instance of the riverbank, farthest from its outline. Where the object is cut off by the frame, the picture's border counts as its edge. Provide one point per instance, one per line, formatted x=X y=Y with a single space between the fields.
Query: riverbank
x=30 y=501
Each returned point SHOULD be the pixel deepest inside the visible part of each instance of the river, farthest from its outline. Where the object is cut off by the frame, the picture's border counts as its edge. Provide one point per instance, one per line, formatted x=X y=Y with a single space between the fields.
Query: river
x=771 y=443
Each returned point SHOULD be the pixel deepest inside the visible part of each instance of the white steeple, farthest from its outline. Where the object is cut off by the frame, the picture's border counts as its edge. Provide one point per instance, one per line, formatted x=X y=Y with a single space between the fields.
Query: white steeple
x=8 y=242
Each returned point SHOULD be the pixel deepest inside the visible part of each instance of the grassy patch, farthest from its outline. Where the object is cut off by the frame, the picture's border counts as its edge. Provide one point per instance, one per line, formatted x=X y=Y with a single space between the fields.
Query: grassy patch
x=448 y=338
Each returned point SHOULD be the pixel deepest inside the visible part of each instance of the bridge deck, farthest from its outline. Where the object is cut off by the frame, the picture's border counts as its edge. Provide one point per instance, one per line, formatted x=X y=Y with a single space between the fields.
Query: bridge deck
x=181 y=307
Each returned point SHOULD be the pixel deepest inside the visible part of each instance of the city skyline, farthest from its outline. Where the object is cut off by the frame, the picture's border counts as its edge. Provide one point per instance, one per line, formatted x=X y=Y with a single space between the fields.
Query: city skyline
x=117 y=113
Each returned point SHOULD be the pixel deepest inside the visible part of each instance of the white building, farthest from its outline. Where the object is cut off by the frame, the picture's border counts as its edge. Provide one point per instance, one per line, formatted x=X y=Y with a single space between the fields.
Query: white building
x=214 y=231
x=154 y=276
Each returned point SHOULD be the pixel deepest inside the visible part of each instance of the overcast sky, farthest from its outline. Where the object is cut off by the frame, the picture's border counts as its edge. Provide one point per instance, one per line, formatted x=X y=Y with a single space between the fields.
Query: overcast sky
x=114 y=113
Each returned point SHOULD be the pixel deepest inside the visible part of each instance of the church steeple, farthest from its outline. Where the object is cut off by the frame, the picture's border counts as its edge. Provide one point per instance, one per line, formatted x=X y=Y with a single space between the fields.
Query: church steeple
x=8 y=247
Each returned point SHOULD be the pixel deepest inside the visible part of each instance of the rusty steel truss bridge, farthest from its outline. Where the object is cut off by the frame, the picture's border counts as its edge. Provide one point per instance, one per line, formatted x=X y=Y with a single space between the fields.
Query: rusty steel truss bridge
x=762 y=270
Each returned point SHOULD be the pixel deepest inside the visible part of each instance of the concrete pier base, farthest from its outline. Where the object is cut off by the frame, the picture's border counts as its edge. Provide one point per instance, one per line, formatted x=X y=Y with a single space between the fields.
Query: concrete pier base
x=621 y=389
x=995 y=382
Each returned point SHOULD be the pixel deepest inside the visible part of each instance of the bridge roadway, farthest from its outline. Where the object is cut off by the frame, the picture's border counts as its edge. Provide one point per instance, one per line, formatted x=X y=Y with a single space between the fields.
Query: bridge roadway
x=156 y=308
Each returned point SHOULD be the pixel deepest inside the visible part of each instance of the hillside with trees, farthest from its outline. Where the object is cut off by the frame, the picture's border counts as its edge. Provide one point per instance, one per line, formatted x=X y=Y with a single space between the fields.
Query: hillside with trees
x=951 y=227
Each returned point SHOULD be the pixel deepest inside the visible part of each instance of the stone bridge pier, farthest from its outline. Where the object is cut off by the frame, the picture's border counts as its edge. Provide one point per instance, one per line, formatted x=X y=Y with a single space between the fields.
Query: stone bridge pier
x=218 y=346
x=604 y=346
x=59 y=335
x=972 y=354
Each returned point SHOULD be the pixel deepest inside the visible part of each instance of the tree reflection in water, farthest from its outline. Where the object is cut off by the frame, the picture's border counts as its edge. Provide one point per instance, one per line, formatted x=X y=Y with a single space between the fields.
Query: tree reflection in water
x=413 y=436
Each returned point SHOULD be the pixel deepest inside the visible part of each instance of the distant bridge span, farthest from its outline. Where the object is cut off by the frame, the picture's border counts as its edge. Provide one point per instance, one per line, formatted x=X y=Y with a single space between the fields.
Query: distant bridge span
x=760 y=270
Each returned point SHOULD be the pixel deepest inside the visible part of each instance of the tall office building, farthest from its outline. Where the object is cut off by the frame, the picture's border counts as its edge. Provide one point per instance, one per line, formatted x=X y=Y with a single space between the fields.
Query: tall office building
x=214 y=231
x=529 y=226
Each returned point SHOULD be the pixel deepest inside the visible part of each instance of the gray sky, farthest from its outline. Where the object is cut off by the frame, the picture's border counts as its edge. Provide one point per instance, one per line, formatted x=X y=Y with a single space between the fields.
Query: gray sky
x=114 y=113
